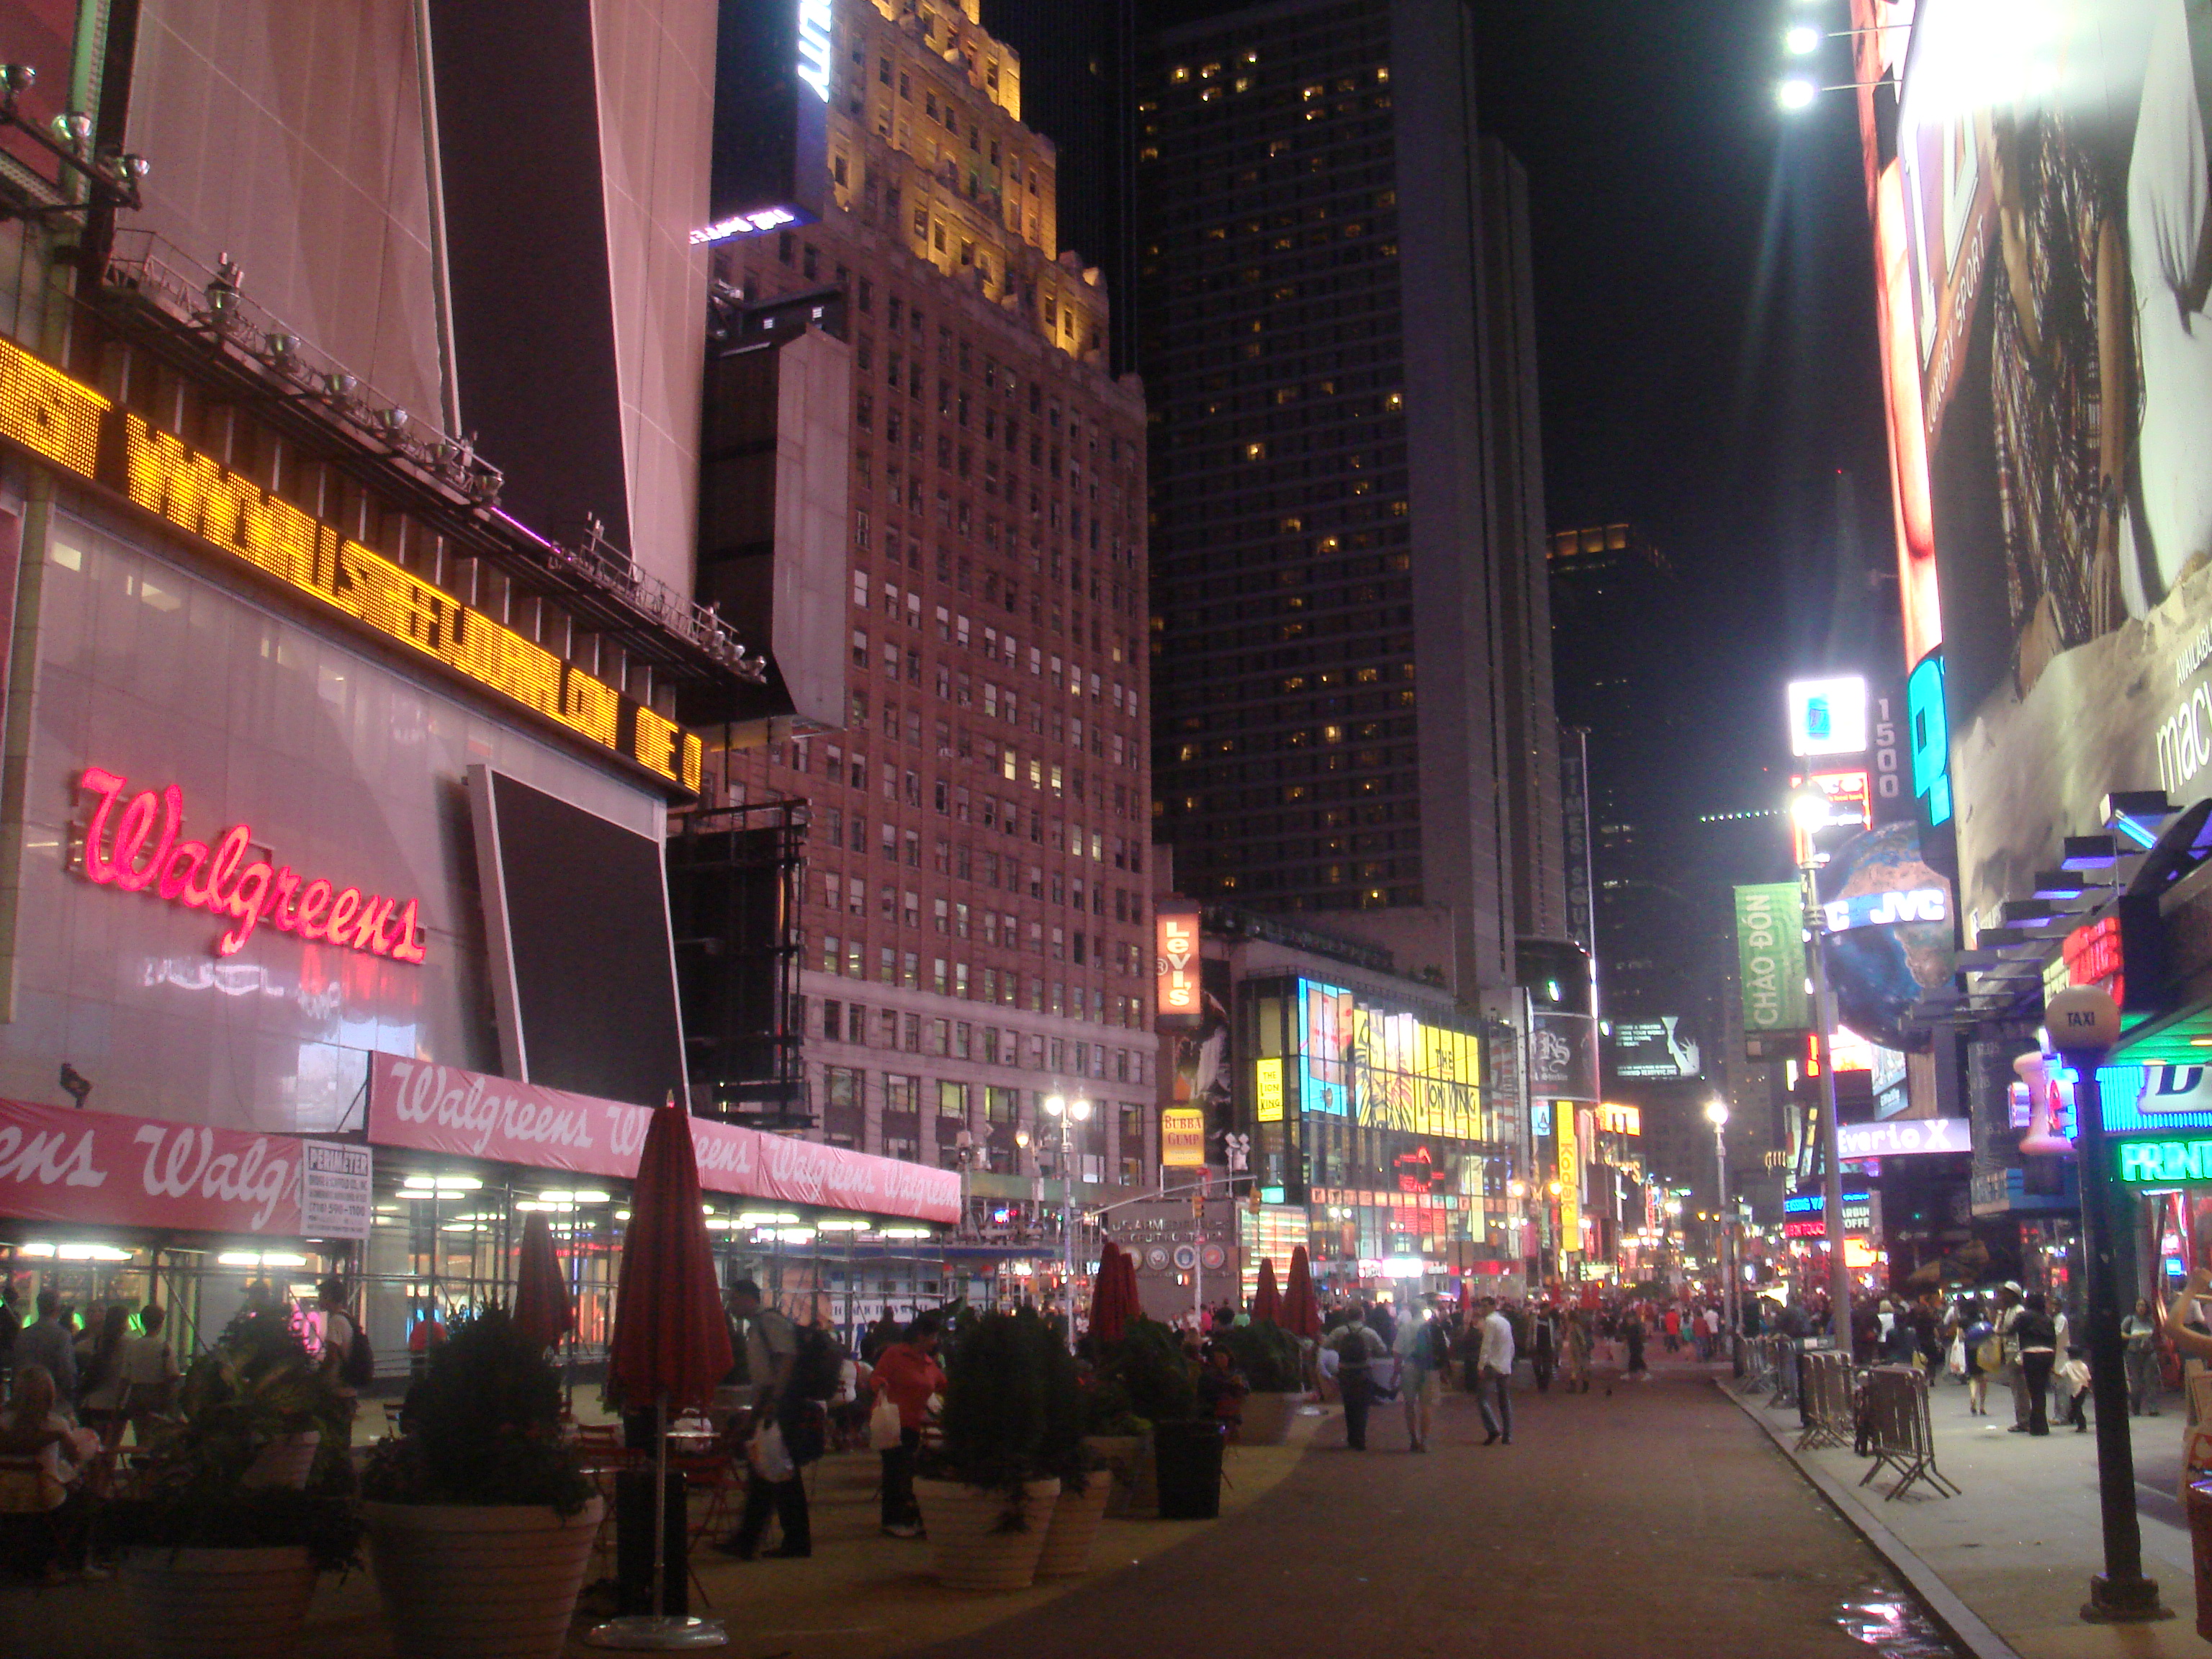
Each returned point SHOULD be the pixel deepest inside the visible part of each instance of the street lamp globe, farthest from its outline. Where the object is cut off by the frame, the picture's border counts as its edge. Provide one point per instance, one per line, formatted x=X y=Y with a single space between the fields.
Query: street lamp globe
x=1717 y=1113
x=1079 y=1111
x=1810 y=808
x=1055 y=1104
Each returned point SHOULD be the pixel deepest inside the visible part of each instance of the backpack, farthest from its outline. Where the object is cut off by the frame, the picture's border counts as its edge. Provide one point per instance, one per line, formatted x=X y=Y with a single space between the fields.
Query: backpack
x=1439 y=1346
x=358 y=1369
x=819 y=1368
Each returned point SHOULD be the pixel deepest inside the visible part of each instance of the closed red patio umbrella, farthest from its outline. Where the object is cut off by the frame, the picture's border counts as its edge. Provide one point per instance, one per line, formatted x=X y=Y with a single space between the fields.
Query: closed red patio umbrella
x=1109 y=1312
x=672 y=1344
x=1301 y=1314
x=1268 y=1300
x=542 y=1309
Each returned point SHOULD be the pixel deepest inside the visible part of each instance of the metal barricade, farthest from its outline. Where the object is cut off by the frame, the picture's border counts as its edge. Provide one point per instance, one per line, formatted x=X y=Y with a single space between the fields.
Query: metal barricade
x=1826 y=1408
x=1900 y=1433
x=1778 y=1357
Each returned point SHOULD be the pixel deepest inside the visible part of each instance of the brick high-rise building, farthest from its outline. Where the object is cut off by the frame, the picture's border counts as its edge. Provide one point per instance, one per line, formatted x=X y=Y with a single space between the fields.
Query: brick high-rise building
x=974 y=913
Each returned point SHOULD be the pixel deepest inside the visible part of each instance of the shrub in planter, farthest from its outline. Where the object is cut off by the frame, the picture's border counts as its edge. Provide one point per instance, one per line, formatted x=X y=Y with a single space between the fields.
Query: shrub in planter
x=1274 y=1368
x=213 y=1565
x=480 y=1522
x=1013 y=1428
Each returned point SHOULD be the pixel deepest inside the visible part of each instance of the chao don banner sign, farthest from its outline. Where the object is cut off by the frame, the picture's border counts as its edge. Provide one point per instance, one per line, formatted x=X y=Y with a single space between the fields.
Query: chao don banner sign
x=59 y=1164
x=443 y=1109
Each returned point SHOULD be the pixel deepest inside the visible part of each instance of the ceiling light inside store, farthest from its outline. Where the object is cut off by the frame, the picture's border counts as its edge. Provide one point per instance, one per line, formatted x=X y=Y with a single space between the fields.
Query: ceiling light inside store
x=76 y=1252
x=583 y=1197
x=837 y=1227
x=794 y=1235
x=249 y=1259
x=767 y=1218
x=424 y=1186
x=906 y=1232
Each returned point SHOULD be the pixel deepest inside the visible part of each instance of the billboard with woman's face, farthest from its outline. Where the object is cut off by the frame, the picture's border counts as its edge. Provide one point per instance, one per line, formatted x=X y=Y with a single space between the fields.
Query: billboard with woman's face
x=2045 y=259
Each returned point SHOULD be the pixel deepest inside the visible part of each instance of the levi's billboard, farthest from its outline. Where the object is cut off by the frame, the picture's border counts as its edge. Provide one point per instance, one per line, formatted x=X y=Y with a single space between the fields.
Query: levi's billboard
x=2041 y=212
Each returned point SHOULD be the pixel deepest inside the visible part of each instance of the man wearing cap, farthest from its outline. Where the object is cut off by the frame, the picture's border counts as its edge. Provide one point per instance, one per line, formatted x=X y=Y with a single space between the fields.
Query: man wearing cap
x=2007 y=1316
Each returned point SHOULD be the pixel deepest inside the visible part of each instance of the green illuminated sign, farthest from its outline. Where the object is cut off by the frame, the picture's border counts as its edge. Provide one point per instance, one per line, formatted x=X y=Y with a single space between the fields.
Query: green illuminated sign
x=2147 y=1163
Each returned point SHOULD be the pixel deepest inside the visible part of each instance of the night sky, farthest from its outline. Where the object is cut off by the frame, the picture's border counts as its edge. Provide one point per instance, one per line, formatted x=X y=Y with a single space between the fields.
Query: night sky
x=1704 y=306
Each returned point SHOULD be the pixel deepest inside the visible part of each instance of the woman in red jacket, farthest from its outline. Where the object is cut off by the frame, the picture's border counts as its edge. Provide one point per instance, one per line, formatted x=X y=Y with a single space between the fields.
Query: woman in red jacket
x=908 y=1373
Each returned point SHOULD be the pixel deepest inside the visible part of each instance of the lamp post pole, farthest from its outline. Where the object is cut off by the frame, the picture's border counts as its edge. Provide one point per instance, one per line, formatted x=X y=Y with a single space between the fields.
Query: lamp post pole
x=1070 y=1113
x=1832 y=1167
x=2083 y=1023
x=1717 y=1111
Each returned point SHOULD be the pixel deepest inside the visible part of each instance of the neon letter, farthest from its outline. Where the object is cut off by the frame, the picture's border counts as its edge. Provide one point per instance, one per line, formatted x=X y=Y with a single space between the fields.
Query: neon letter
x=107 y=786
x=342 y=911
x=314 y=904
x=244 y=904
x=180 y=872
x=368 y=927
x=137 y=880
x=405 y=949
x=229 y=854
x=280 y=895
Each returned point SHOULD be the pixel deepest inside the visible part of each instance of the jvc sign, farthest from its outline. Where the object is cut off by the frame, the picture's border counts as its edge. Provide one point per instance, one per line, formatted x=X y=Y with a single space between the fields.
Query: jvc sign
x=1881 y=910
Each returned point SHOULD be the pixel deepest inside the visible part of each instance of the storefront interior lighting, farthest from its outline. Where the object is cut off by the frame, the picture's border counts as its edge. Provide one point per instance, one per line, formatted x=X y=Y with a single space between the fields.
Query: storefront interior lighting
x=906 y=1232
x=794 y=1235
x=587 y=1196
x=835 y=1225
x=45 y=1252
x=419 y=1186
x=767 y=1218
x=248 y=1259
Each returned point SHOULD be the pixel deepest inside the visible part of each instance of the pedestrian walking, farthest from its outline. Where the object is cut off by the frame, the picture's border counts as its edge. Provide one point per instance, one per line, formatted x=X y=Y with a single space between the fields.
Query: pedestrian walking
x=908 y=1374
x=2006 y=1322
x=1423 y=1352
x=771 y=1361
x=2139 y=1335
x=1496 y=1367
x=1544 y=1346
x=1575 y=1352
x=2038 y=1338
x=1984 y=1353
x=1357 y=1348
x=1632 y=1334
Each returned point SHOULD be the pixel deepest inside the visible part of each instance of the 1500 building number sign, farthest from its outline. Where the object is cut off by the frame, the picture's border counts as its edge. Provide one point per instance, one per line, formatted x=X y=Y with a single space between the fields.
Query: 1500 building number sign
x=134 y=849
x=74 y=426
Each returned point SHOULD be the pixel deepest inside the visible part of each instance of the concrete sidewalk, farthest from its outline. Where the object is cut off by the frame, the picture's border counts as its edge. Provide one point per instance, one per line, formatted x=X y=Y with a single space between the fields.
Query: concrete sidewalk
x=2007 y=1562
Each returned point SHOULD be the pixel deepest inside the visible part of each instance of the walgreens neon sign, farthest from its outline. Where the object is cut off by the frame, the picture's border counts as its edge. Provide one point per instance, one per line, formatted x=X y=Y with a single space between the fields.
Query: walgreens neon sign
x=134 y=849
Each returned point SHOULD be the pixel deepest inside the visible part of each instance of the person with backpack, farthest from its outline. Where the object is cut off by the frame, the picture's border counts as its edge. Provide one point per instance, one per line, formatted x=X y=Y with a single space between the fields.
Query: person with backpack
x=1424 y=1351
x=347 y=1359
x=774 y=1362
x=1357 y=1348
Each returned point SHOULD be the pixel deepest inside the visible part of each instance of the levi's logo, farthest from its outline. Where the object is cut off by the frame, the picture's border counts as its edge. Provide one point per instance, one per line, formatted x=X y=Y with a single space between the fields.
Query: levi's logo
x=135 y=850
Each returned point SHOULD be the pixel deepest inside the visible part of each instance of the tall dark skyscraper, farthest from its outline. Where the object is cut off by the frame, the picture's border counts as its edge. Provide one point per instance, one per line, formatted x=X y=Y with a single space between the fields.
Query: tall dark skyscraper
x=1351 y=626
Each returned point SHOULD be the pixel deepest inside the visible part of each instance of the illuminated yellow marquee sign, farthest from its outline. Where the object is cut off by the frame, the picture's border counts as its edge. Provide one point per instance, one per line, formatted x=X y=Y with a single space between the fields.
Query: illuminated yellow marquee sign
x=74 y=426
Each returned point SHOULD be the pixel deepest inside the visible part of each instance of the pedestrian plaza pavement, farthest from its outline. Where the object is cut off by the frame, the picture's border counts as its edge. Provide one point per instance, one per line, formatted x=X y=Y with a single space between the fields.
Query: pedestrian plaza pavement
x=859 y=1595
x=2007 y=1562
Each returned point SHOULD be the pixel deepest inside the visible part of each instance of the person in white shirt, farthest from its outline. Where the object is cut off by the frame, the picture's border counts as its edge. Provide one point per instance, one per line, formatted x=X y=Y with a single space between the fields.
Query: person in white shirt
x=1494 y=1372
x=1424 y=1354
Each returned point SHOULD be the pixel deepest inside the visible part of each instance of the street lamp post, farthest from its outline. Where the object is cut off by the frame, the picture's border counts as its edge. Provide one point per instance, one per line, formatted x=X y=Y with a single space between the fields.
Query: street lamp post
x=1717 y=1113
x=1070 y=1113
x=2083 y=1023
x=1812 y=812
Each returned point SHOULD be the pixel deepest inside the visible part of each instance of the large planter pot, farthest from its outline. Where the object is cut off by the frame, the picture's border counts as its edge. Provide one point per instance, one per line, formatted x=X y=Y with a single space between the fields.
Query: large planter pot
x=1188 y=1455
x=1076 y=1517
x=1123 y=1456
x=285 y=1462
x=213 y=1604
x=972 y=1546
x=479 y=1583
x=1267 y=1418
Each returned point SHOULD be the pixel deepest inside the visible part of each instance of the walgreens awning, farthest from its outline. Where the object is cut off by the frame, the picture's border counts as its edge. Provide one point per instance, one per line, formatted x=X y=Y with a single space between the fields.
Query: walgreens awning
x=56 y=1165
x=443 y=1109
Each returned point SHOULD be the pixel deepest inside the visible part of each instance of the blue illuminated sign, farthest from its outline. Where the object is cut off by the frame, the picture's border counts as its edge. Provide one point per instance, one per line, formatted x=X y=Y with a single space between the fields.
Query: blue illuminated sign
x=1927 y=722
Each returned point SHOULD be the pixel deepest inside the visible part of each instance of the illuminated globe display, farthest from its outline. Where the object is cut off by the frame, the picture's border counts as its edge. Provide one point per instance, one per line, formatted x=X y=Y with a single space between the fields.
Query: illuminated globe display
x=1889 y=918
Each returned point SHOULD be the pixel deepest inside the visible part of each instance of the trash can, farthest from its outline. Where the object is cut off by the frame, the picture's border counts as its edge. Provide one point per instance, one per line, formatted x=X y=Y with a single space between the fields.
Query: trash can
x=1188 y=1456
x=2199 y=1494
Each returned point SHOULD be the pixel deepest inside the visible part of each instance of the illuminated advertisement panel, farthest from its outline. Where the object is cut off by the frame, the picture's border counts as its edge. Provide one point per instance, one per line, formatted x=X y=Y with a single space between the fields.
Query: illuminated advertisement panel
x=1384 y=1069
x=2048 y=353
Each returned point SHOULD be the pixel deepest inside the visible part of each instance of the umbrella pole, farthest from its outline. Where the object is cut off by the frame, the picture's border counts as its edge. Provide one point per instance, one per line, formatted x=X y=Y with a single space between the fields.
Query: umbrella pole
x=660 y=1504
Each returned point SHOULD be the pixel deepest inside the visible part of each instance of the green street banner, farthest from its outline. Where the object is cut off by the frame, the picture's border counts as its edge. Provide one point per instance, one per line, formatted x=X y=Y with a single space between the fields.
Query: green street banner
x=1770 y=942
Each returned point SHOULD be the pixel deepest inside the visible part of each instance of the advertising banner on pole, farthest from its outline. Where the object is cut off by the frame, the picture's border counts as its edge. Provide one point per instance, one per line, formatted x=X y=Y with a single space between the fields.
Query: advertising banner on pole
x=1770 y=942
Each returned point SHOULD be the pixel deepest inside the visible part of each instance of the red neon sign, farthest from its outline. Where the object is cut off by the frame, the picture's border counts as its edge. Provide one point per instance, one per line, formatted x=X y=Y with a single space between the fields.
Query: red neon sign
x=224 y=883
